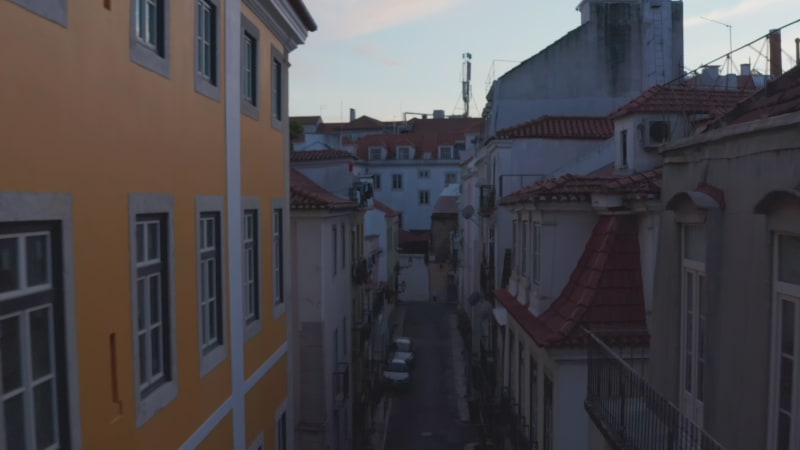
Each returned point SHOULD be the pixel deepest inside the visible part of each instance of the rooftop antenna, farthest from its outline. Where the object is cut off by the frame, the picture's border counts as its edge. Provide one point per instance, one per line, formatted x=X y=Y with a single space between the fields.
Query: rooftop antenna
x=466 y=78
x=728 y=58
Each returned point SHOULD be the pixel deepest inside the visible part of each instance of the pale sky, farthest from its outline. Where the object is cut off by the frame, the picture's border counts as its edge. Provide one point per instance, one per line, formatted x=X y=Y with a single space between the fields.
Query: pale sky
x=387 y=57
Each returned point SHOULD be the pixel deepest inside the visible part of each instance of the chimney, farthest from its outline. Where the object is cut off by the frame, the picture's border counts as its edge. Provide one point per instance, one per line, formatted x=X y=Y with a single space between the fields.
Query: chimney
x=746 y=70
x=352 y=114
x=775 y=65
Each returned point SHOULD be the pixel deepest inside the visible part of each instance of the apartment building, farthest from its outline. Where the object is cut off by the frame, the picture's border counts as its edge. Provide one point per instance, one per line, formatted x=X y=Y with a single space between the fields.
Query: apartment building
x=143 y=203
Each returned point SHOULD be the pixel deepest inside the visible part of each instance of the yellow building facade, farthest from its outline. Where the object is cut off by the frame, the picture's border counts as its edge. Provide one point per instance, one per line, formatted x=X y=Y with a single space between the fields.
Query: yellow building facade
x=143 y=221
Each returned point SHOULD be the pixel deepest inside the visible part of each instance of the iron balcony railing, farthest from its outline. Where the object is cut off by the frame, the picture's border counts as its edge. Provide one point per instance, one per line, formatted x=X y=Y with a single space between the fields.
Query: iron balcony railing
x=630 y=413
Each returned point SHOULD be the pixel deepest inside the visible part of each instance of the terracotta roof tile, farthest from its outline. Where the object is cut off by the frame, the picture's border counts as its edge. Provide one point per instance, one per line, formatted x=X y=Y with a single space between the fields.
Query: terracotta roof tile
x=579 y=187
x=781 y=96
x=306 y=194
x=320 y=155
x=361 y=123
x=425 y=135
x=682 y=99
x=561 y=127
x=603 y=294
x=384 y=208
x=306 y=120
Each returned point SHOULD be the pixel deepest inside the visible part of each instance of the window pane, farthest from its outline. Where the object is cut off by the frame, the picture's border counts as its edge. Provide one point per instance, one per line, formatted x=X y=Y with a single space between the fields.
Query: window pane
x=151 y=23
x=155 y=299
x=787 y=327
x=155 y=345
x=784 y=431
x=41 y=351
x=789 y=259
x=36 y=255
x=141 y=301
x=211 y=278
x=44 y=409
x=211 y=234
x=10 y=354
x=153 y=236
x=212 y=322
x=785 y=387
x=140 y=18
x=15 y=427
x=143 y=352
x=140 y=242
x=9 y=265
x=204 y=323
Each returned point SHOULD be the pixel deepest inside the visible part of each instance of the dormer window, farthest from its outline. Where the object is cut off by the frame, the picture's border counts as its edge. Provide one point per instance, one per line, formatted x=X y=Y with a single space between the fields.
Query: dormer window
x=403 y=152
x=375 y=153
x=446 y=152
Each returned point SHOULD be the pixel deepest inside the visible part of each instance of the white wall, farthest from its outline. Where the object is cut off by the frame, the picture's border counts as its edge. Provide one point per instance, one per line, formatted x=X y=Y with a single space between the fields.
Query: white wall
x=406 y=200
x=648 y=252
x=414 y=272
x=333 y=176
x=375 y=224
x=571 y=427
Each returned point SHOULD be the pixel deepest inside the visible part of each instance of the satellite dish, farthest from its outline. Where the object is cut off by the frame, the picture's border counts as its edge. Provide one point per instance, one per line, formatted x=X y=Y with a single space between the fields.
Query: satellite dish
x=467 y=212
x=474 y=298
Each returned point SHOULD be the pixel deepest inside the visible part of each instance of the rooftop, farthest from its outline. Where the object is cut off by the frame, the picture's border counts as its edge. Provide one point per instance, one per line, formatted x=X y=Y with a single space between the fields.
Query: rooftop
x=306 y=194
x=781 y=96
x=561 y=127
x=682 y=99
x=320 y=155
x=424 y=135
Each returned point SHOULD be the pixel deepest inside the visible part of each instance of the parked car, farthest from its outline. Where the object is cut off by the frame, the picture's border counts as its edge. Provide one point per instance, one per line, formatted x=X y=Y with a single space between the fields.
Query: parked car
x=396 y=373
x=404 y=349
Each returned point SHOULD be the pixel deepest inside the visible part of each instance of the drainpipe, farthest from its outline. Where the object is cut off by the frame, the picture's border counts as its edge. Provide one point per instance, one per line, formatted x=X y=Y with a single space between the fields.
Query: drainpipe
x=233 y=175
x=775 y=63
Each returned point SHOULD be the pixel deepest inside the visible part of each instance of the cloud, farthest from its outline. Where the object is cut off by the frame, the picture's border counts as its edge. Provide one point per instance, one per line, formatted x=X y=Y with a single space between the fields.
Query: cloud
x=743 y=8
x=375 y=53
x=347 y=19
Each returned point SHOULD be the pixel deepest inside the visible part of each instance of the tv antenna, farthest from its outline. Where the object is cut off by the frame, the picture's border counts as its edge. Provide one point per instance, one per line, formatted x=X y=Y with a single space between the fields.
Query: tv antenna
x=728 y=58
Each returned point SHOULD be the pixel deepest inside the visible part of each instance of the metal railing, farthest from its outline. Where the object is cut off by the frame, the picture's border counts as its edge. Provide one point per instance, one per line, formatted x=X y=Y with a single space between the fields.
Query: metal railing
x=630 y=413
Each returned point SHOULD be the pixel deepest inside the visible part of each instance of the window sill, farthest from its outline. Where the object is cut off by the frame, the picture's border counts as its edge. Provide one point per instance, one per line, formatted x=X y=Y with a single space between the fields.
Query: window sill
x=212 y=359
x=155 y=401
x=252 y=329
x=278 y=309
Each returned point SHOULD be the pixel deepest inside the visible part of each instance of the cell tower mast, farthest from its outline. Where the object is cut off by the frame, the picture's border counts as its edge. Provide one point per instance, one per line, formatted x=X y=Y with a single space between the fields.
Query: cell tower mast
x=466 y=78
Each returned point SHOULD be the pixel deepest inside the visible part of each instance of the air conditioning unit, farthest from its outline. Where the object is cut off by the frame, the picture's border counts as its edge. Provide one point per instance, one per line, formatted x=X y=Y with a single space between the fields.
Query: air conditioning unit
x=655 y=133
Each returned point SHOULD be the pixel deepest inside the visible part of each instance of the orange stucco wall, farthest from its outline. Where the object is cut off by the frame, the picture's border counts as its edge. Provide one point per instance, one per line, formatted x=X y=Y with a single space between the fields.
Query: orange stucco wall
x=77 y=116
x=262 y=403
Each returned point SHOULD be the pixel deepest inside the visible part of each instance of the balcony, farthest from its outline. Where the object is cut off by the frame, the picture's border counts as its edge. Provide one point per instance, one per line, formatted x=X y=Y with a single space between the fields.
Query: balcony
x=487 y=201
x=630 y=413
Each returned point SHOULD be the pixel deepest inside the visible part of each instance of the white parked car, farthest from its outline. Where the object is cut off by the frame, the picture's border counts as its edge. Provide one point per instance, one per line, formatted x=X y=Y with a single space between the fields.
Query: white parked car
x=396 y=373
x=404 y=349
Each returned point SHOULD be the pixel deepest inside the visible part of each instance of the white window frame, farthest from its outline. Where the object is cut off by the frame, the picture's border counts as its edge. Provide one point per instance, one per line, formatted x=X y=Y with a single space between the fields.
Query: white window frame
x=212 y=352
x=282 y=435
x=253 y=320
x=278 y=76
x=404 y=152
x=536 y=253
x=376 y=181
x=152 y=54
x=426 y=196
x=397 y=182
x=206 y=73
x=423 y=173
x=450 y=178
x=514 y=251
x=375 y=153
x=693 y=322
x=446 y=152
x=250 y=56
x=783 y=291
x=150 y=402
x=524 y=248
x=280 y=273
x=278 y=288
x=57 y=208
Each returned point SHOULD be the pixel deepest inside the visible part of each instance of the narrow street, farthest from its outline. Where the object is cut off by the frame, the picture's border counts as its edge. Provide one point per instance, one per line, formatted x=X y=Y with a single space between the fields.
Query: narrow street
x=426 y=416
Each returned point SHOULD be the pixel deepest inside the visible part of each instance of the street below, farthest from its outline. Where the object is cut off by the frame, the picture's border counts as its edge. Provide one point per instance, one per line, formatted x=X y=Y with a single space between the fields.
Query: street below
x=426 y=415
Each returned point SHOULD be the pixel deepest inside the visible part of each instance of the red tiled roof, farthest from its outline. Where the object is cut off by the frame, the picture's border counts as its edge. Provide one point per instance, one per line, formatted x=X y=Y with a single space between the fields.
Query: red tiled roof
x=579 y=187
x=320 y=155
x=603 y=294
x=306 y=120
x=781 y=96
x=361 y=123
x=561 y=127
x=682 y=99
x=384 y=208
x=405 y=236
x=425 y=135
x=306 y=194
x=446 y=205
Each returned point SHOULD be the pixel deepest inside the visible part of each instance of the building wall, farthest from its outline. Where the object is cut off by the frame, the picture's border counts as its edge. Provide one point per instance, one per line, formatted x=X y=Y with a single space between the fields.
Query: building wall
x=114 y=128
x=406 y=200
x=571 y=427
x=333 y=176
x=739 y=273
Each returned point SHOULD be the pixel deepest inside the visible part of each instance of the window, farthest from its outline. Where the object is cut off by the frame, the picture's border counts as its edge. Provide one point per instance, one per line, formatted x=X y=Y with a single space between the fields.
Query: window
x=524 y=249
x=333 y=241
x=547 y=443
x=397 y=182
x=403 y=152
x=450 y=178
x=250 y=61
x=31 y=343
x=693 y=321
x=623 y=148
x=210 y=288
x=55 y=11
x=251 y=291
x=376 y=181
x=533 y=402
x=149 y=35
x=424 y=173
x=786 y=347
x=280 y=432
x=153 y=302
x=277 y=256
x=344 y=253
x=536 y=261
x=375 y=153
x=424 y=197
x=514 y=251
x=207 y=48
x=446 y=152
x=277 y=88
